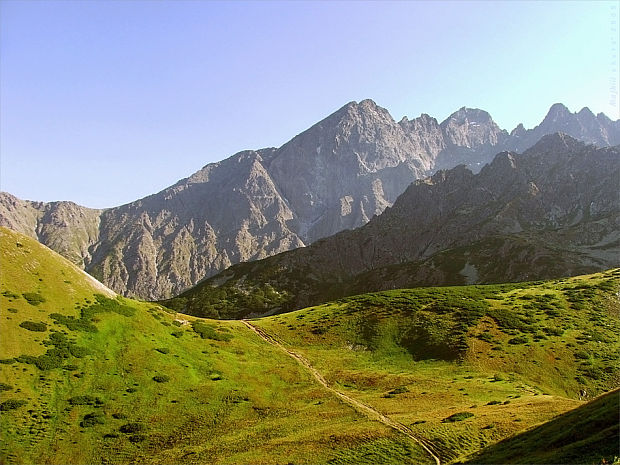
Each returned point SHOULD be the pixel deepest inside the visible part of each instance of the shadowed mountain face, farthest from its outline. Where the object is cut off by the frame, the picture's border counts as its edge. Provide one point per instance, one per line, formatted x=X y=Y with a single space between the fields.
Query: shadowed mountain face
x=549 y=212
x=335 y=176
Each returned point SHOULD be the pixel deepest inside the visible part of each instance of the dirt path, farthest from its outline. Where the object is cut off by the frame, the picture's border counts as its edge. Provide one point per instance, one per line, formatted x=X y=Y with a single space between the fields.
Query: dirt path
x=356 y=404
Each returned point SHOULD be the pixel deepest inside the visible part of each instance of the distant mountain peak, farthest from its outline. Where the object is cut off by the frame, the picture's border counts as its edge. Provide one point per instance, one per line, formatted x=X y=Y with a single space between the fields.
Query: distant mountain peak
x=472 y=115
x=556 y=141
x=556 y=112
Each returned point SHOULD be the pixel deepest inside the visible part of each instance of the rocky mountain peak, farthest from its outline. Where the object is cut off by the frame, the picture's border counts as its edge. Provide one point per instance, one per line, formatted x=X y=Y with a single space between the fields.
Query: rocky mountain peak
x=471 y=128
x=469 y=115
x=556 y=113
x=557 y=142
x=518 y=131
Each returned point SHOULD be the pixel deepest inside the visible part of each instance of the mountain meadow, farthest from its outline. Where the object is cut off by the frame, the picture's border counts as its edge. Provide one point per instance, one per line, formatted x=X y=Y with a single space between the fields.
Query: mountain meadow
x=499 y=373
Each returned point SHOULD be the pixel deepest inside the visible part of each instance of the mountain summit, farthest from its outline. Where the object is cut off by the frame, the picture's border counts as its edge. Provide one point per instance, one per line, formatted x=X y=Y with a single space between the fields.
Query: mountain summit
x=336 y=175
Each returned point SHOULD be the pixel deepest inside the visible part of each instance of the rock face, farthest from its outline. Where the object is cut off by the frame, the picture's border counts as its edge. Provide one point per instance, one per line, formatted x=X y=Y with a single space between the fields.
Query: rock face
x=550 y=212
x=335 y=176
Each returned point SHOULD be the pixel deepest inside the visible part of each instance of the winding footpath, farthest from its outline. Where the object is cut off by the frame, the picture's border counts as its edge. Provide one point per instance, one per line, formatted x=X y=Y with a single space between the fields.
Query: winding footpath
x=356 y=404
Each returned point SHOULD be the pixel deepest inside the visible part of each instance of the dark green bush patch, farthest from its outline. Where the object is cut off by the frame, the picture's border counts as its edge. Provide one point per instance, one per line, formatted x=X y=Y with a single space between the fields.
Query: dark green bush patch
x=33 y=326
x=7 y=361
x=62 y=349
x=12 y=404
x=119 y=416
x=137 y=438
x=74 y=324
x=518 y=340
x=163 y=350
x=161 y=378
x=209 y=332
x=12 y=310
x=494 y=402
x=132 y=428
x=457 y=417
x=10 y=295
x=79 y=351
x=92 y=419
x=5 y=387
x=33 y=298
x=102 y=304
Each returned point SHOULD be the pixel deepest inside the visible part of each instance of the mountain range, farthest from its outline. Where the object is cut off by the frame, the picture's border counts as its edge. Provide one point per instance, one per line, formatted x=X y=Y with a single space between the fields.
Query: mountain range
x=549 y=212
x=335 y=176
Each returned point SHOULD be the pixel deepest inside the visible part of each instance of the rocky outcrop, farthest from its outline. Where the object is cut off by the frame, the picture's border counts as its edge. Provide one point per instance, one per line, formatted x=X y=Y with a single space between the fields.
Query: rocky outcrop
x=335 y=176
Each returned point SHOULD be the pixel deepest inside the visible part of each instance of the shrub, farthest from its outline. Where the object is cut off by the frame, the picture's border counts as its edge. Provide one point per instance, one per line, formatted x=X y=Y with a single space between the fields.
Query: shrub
x=498 y=377
x=163 y=350
x=33 y=326
x=518 y=340
x=33 y=298
x=494 y=402
x=132 y=428
x=161 y=378
x=48 y=362
x=79 y=351
x=457 y=417
x=92 y=419
x=74 y=324
x=553 y=331
x=5 y=387
x=582 y=354
x=12 y=404
x=137 y=438
x=12 y=310
x=209 y=332
x=399 y=390
x=10 y=295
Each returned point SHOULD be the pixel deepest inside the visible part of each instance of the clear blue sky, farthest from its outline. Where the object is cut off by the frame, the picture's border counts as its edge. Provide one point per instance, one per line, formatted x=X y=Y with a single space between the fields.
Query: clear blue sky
x=106 y=102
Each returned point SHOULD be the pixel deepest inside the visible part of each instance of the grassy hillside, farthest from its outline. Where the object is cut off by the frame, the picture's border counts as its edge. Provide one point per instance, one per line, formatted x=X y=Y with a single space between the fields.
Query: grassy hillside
x=582 y=435
x=466 y=366
x=87 y=376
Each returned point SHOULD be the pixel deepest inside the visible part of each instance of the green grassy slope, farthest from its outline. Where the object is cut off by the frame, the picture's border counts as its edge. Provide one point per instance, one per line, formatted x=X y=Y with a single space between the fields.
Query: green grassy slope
x=88 y=377
x=497 y=359
x=104 y=379
x=583 y=435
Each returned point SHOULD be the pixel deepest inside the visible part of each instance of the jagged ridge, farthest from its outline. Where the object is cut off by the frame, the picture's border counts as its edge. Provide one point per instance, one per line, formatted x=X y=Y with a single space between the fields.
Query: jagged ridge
x=335 y=176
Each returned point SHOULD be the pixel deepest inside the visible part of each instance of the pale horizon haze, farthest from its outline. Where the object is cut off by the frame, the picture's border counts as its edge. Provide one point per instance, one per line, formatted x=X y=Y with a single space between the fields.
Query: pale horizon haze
x=102 y=103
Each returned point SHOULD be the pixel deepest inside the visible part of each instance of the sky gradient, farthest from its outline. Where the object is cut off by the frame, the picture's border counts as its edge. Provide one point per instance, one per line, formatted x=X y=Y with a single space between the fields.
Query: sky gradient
x=102 y=103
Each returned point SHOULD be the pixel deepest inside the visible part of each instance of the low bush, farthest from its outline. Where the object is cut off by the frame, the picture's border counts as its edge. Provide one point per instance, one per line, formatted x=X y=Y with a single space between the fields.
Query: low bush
x=33 y=326
x=457 y=417
x=92 y=419
x=12 y=404
x=33 y=298
x=161 y=378
x=518 y=340
x=132 y=428
x=5 y=387
x=209 y=332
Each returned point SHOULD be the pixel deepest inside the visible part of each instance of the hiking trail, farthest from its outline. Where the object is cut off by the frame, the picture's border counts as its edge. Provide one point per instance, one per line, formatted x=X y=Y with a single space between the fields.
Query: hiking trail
x=361 y=407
